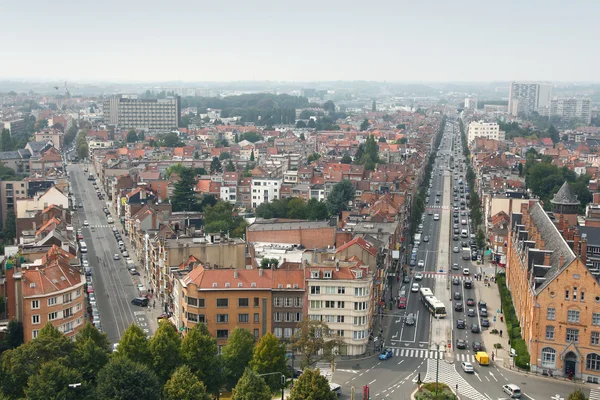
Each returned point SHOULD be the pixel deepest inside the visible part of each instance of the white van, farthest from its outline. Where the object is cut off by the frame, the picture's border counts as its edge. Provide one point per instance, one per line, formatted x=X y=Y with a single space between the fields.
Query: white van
x=83 y=246
x=463 y=233
x=335 y=388
x=512 y=390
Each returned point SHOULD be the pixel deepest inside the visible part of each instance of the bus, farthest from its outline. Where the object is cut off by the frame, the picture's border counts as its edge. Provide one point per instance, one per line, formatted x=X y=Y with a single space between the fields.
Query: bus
x=435 y=306
x=83 y=246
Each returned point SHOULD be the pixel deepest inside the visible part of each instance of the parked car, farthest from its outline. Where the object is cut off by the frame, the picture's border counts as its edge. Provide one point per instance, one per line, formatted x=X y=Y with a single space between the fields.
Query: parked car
x=406 y=279
x=116 y=256
x=140 y=301
x=483 y=312
x=475 y=328
x=485 y=322
x=133 y=271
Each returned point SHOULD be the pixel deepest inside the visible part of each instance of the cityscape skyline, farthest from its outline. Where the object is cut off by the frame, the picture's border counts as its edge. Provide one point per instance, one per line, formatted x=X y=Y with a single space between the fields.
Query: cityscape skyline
x=409 y=42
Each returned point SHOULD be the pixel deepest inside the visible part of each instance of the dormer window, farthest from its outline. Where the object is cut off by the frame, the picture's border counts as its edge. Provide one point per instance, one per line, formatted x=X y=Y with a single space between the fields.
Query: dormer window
x=358 y=274
x=314 y=274
x=327 y=274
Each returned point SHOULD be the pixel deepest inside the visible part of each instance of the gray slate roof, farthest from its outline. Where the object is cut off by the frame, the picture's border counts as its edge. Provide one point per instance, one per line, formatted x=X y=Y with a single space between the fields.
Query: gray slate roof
x=565 y=195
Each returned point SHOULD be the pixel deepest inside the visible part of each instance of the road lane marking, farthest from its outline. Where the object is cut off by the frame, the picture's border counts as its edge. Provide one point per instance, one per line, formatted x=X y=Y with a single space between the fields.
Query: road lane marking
x=400 y=362
x=528 y=396
x=486 y=395
x=370 y=383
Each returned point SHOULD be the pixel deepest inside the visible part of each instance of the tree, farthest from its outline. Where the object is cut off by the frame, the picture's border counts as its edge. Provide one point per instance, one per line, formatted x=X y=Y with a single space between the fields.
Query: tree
x=164 y=347
x=346 y=159
x=123 y=379
x=40 y=125
x=184 y=385
x=134 y=346
x=251 y=387
x=252 y=137
x=252 y=156
x=480 y=239
x=311 y=123
x=224 y=156
x=553 y=134
x=6 y=142
x=13 y=337
x=10 y=226
x=52 y=382
x=174 y=169
x=199 y=352
x=215 y=166
x=296 y=208
x=236 y=138
x=132 y=136
x=316 y=210
x=311 y=385
x=341 y=194
x=88 y=358
x=577 y=395
x=171 y=139
x=269 y=356
x=374 y=106
x=184 y=197
x=382 y=139
x=230 y=167
x=300 y=124
x=329 y=106
x=364 y=125
x=81 y=146
x=269 y=263
x=237 y=355
x=314 y=341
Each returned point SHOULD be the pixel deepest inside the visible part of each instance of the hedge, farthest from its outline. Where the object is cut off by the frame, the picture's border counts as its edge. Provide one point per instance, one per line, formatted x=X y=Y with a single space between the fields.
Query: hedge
x=512 y=324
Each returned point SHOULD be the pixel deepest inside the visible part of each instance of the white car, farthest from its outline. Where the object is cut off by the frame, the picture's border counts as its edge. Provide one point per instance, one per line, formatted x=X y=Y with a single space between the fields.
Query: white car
x=421 y=264
x=436 y=217
x=415 y=287
x=466 y=271
x=85 y=223
x=467 y=366
x=418 y=276
x=116 y=256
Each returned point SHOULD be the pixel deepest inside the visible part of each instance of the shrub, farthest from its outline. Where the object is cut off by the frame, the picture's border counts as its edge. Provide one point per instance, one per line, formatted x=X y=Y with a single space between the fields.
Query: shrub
x=494 y=331
x=516 y=332
x=427 y=392
x=497 y=345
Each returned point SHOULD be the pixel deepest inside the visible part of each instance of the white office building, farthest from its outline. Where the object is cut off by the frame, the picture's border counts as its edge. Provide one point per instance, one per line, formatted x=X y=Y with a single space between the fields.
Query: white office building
x=153 y=115
x=526 y=97
x=482 y=129
x=569 y=108
x=265 y=190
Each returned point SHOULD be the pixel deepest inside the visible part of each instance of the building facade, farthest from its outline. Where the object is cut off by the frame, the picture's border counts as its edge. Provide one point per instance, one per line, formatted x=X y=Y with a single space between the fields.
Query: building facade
x=526 y=97
x=482 y=129
x=339 y=294
x=555 y=294
x=572 y=108
x=15 y=126
x=288 y=301
x=155 y=115
x=265 y=190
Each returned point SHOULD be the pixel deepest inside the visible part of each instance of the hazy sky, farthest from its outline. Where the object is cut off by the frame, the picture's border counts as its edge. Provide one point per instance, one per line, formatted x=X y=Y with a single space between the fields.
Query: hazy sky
x=220 y=40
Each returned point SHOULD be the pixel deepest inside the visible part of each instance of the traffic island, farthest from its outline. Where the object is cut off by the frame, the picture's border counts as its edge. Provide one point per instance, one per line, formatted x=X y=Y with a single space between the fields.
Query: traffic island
x=429 y=391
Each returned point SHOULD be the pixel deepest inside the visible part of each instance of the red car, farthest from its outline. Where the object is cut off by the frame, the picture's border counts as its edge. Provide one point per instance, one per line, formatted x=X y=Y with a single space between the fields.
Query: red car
x=470 y=302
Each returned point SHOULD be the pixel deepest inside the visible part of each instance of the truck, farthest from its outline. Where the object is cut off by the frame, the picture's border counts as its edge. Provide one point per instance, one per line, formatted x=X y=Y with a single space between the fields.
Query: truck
x=482 y=358
x=466 y=253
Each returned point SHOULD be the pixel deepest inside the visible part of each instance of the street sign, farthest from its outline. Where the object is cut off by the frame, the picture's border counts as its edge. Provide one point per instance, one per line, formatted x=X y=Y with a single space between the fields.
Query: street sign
x=498 y=311
x=494 y=318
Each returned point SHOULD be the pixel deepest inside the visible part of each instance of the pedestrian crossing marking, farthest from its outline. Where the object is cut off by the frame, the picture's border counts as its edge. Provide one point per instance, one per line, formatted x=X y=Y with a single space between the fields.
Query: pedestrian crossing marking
x=458 y=275
x=434 y=354
x=594 y=394
x=447 y=374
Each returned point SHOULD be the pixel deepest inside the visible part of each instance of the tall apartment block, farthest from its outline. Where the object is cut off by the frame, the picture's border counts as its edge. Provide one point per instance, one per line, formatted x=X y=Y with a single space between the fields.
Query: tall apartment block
x=130 y=112
x=572 y=108
x=526 y=97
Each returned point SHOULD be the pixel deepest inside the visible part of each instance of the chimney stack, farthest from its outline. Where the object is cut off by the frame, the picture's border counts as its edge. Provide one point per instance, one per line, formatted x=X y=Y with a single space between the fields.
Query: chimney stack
x=561 y=260
x=583 y=254
x=576 y=248
x=260 y=272
x=547 y=258
x=235 y=273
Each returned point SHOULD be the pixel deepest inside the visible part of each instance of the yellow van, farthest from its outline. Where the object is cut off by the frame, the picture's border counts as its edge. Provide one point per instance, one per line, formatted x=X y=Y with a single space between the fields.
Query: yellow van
x=482 y=358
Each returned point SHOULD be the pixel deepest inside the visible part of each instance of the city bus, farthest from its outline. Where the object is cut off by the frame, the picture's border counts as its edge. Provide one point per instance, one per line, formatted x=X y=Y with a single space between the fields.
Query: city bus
x=435 y=306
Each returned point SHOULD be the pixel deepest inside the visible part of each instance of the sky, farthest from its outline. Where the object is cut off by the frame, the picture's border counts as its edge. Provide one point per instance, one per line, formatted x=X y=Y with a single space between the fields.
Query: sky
x=327 y=40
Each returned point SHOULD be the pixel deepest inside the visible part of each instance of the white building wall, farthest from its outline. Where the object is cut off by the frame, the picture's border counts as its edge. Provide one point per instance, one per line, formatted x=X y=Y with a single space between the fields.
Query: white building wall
x=265 y=190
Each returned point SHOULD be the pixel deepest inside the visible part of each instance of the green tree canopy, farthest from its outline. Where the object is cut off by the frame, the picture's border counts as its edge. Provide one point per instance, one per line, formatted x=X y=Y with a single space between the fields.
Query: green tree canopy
x=13 y=336
x=52 y=382
x=220 y=218
x=300 y=124
x=237 y=354
x=364 y=125
x=134 y=346
x=577 y=395
x=341 y=194
x=269 y=356
x=132 y=136
x=314 y=341
x=199 y=352
x=10 y=226
x=184 y=385
x=224 y=156
x=346 y=159
x=251 y=137
x=251 y=387
x=316 y=210
x=184 y=196
x=215 y=166
x=174 y=169
x=6 y=142
x=171 y=139
x=329 y=106
x=164 y=347
x=311 y=385
x=123 y=379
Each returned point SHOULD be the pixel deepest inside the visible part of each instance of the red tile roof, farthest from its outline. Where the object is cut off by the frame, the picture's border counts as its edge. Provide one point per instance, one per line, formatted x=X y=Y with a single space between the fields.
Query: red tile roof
x=360 y=242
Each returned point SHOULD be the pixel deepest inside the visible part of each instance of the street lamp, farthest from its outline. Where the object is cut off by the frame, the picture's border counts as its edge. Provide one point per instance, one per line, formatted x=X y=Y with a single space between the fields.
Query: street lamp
x=437 y=364
x=73 y=386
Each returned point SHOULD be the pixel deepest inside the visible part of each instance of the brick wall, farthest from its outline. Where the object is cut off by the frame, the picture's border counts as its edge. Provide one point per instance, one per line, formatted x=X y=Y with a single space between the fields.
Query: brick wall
x=309 y=238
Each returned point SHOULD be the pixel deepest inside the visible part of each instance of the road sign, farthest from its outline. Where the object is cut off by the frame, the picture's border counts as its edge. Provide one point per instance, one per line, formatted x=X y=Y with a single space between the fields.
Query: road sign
x=494 y=318
x=498 y=311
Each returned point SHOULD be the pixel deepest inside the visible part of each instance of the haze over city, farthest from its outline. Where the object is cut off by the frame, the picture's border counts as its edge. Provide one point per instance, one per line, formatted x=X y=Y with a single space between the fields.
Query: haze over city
x=309 y=41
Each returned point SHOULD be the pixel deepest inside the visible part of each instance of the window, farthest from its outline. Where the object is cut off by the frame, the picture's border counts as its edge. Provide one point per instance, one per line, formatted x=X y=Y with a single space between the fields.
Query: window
x=202 y=318
x=278 y=332
x=35 y=304
x=191 y=301
x=297 y=317
x=277 y=301
x=575 y=293
x=276 y=316
x=256 y=317
x=192 y=317
x=339 y=333
x=288 y=316
x=573 y=316
x=596 y=319
x=592 y=362
x=316 y=317
x=243 y=302
x=595 y=338
x=358 y=335
x=329 y=304
x=341 y=290
x=330 y=318
x=361 y=291
x=256 y=302
x=287 y=332
x=340 y=319
x=67 y=298
x=549 y=333
x=314 y=274
x=288 y=302
x=222 y=333
x=243 y=318
x=222 y=303
x=35 y=319
x=572 y=335
x=551 y=313
x=298 y=302
x=256 y=333
x=360 y=305
x=315 y=304
x=566 y=294
x=52 y=301
x=360 y=320
x=67 y=312
x=34 y=333
x=315 y=290
x=222 y=318
x=52 y=316
x=327 y=274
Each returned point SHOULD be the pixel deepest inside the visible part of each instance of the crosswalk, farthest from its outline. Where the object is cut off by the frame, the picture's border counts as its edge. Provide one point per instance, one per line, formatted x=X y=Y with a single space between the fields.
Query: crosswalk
x=434 y=354
x=448 y=375
x=594 y=394
x=99 y=226
x=458 y=275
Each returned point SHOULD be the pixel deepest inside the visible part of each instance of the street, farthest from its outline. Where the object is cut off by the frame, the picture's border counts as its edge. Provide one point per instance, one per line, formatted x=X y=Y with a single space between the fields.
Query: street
x=113 y=285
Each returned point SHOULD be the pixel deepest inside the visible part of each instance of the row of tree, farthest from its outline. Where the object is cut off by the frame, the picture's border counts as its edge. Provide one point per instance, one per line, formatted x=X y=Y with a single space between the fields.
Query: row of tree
x=368 y=153
x=164 y=366
x=81 y=146
x=294 y=208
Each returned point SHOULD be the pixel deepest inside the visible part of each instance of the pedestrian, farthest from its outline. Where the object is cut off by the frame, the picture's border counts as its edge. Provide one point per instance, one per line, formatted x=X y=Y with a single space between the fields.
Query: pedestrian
x=457 y=388
x=154 y=304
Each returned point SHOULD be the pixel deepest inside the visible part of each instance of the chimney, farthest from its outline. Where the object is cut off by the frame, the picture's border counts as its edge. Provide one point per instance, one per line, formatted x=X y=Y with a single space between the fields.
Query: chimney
x=561 y=260
x=583 y=254
x=337 y=266
x=260 y=272
x=235 y=273
x=547 y=258
x=576 y=237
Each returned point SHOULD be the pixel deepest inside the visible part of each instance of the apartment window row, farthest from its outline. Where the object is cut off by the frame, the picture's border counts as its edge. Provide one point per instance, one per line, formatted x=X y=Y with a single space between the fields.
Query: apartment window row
x=221 y=303
x=287 y=301
x=574 y=294
x=284 y=332
x=360 y=305
x=334 y=319
x=66 y=313
x=287 y=316
x=359 y=335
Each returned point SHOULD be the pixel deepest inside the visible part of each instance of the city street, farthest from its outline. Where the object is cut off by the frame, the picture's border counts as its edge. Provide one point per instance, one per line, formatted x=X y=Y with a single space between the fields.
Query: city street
x=113 y=285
